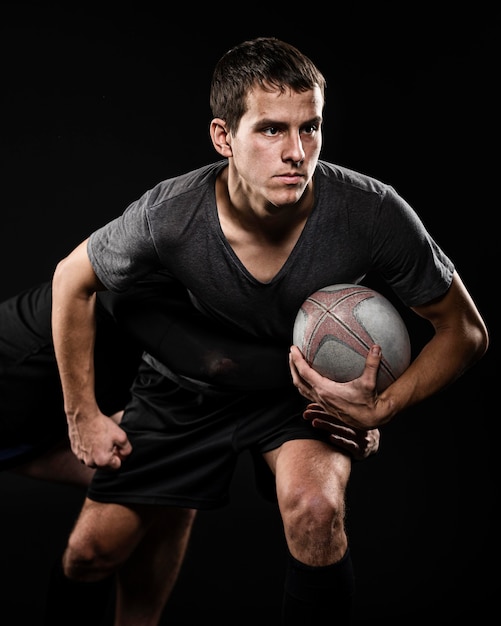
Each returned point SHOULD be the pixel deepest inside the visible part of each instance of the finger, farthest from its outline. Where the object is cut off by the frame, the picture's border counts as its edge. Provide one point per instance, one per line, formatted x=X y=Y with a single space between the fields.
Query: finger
x=118 y=456
x=315 y=410
x=372 y=362
x=300 y=366
x=314 y=406
x=121 y=442
x=333 y=428
x=115 y=462
x=321 y=424
x=345 y=445
x=123 y=451
x=312 y=414
x=296 y=378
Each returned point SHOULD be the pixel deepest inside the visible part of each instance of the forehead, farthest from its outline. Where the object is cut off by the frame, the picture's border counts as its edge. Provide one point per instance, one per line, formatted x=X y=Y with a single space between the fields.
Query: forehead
x=276 y=105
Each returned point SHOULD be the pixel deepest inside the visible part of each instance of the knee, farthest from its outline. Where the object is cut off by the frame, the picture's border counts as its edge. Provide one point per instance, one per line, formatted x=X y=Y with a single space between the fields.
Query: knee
x=83 y=561
x=314 y=521
x=313 y=511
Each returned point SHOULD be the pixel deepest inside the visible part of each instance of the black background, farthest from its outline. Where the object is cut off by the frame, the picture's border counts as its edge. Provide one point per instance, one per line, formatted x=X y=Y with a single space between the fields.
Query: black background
x=101 y=102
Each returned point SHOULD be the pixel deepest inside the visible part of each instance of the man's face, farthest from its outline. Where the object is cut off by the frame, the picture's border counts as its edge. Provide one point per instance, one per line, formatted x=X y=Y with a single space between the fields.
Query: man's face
x=277 y=146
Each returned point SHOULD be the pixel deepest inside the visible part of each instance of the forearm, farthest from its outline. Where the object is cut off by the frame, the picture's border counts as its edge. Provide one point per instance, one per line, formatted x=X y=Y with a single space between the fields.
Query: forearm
x=439 y=364
x=73 y=328
x=459 y=341
x=73 y=333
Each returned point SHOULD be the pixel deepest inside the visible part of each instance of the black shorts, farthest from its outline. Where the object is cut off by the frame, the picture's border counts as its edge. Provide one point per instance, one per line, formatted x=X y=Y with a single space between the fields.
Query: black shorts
x=186 y=442
x=194 y=436
x=32 y=418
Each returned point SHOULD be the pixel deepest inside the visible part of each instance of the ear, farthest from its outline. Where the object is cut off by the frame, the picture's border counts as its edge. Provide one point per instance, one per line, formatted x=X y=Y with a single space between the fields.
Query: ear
x=221 y=138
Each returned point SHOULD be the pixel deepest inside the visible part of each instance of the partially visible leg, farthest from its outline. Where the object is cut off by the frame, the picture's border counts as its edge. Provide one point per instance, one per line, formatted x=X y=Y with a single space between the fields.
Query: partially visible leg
x=57 y=465
x=146 y=580
x=112 y=538
x=311 y=479
x=60 y=465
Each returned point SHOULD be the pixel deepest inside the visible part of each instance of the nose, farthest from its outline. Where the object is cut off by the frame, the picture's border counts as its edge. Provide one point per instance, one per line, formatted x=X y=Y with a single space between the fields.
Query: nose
x=294 y=150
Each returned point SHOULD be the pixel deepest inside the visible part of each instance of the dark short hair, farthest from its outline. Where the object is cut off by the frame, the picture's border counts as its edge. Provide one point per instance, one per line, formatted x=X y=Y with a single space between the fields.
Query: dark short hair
x=267 y=62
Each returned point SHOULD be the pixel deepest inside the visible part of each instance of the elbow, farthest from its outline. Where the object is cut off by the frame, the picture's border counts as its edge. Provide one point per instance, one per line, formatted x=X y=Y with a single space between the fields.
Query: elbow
x=74 y=275
x=63 y=274
x=482 y=341
x=59 y=271
x=479 y=341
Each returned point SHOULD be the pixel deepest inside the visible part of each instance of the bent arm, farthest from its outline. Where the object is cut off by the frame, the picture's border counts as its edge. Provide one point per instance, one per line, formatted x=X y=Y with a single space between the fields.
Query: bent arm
x=460 y=339
x=95 y=439
x=74 y=286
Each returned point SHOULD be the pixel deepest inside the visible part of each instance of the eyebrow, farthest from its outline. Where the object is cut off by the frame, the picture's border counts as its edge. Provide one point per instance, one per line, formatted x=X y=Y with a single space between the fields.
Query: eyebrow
x=317 y=120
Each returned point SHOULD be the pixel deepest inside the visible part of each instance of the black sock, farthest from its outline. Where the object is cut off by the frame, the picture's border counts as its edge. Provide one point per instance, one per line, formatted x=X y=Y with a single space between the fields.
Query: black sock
x=311 y=594
x=78 y=604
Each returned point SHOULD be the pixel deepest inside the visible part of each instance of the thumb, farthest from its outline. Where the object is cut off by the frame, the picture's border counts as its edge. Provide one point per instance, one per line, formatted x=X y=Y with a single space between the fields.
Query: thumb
x=121 y=444
x=123 y=447
x=372 y=362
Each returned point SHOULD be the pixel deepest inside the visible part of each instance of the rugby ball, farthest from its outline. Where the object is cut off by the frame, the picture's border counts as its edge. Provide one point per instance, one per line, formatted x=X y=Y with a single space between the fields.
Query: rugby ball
x=336 y=326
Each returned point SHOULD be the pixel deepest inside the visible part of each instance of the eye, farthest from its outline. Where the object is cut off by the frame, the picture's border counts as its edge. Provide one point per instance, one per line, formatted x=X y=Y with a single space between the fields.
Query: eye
x=309 y=129
x=271 y=131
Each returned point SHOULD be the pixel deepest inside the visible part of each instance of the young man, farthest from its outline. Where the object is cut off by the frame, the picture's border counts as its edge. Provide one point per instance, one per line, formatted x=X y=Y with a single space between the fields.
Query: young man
x=249 y=238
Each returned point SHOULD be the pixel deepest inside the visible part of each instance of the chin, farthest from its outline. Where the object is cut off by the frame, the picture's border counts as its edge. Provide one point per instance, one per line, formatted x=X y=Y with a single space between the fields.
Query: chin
x=292 y=198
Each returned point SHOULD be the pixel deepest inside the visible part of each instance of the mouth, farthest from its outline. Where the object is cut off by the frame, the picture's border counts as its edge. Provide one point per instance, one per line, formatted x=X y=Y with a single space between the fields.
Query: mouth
x=290 y=178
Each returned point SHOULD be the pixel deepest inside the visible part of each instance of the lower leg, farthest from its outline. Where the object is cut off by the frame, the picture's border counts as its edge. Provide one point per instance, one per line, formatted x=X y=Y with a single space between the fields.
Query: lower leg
x=77 y=603
x=312 y=594
x=60 y=465
x=146 y=580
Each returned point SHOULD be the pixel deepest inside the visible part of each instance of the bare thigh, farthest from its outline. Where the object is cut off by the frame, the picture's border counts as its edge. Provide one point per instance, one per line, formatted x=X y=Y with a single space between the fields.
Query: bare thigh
x=58 y=465
x=311 y=479
x=309 y=462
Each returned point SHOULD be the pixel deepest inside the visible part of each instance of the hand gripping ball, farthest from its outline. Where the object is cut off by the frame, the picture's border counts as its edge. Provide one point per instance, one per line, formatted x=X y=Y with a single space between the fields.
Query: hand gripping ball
x=336 y=326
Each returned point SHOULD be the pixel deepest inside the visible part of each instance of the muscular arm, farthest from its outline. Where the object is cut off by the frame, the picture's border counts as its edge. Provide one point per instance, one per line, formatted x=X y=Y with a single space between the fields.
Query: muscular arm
x=95 y=439
x=460 y=339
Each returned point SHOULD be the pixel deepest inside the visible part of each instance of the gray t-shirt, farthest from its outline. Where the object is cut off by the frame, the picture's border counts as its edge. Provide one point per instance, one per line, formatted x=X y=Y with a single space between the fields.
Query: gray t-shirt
x=358 y=225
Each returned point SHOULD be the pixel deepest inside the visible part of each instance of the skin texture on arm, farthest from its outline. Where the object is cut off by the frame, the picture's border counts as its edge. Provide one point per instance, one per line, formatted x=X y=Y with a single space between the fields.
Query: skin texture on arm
x=460 y=339
x=96 y=440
